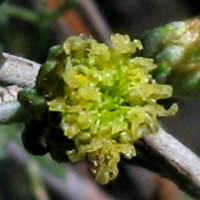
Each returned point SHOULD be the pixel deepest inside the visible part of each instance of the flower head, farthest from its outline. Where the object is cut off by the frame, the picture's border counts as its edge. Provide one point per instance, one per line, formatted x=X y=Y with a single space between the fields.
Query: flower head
x=106 y=99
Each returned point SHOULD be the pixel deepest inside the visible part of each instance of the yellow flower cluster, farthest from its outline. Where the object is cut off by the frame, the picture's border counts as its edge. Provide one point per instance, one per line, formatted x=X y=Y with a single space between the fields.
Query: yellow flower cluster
x=107 y=100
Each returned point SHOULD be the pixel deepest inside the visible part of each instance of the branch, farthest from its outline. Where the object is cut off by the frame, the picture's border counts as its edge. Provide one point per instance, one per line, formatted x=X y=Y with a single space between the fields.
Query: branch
x=18 y=71
x=161 y=153
x=9 y=93
x=164 y=154
x=96 y=20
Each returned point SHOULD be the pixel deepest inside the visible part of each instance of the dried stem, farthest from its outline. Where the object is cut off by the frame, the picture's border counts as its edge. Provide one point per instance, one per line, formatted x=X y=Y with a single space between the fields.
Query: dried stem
x=18 y=71
x=96 y=20
x=164 y=154
x=161 y=153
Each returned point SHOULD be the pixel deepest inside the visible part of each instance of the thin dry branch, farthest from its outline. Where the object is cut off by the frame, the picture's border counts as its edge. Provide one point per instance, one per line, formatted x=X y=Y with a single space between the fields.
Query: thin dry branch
x=96 y=20
x=161 y=153
x=18 y=71
x=165 y=155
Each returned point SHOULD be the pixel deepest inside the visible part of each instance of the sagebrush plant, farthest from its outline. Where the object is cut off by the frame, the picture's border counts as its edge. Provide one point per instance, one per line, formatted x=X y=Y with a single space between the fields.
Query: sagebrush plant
x=102 y=98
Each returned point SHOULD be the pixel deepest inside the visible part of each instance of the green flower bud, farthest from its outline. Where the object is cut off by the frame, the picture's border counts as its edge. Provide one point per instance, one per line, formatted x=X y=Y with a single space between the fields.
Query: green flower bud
x=106 y=99
x=175 y=47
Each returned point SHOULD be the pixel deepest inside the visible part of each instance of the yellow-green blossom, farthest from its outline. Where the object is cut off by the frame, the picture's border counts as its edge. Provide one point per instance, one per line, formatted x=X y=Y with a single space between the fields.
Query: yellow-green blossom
x=106 y=97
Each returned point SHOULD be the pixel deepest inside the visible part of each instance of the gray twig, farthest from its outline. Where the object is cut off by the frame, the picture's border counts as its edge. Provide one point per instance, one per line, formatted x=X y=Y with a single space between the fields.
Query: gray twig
x=9 y=93
x=18 y=71
x=164 y=154
x=96 y=20
x=161 y=153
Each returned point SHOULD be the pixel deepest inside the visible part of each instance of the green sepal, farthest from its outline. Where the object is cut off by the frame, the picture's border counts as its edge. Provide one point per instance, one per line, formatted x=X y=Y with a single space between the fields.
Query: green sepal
x=46 y=82
x=189 y=87
x=36 y=103
x=152 y=41
x=161 y=73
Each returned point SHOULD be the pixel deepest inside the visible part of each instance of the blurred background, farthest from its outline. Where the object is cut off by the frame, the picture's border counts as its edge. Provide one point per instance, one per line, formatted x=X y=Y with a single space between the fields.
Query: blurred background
x=28 y=28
